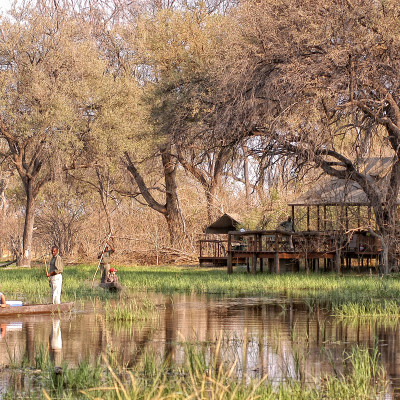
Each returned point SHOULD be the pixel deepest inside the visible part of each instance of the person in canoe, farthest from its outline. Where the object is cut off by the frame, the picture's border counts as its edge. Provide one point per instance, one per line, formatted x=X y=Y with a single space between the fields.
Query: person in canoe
x=55 y=275
x=2 y=300
x=105 y=257
x=112 y=276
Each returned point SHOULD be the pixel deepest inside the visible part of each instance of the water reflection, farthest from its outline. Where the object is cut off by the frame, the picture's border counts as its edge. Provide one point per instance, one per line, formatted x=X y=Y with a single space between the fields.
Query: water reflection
x=278 y=337
x=56 y=342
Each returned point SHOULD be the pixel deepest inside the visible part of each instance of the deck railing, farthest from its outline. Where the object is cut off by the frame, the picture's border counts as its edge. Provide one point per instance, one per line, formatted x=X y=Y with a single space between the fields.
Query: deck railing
x=252 y=245
x=213 y=248
x=307 y=245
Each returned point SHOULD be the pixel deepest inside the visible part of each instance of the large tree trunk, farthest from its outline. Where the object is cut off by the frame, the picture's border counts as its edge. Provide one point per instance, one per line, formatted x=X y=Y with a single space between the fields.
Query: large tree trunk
x=246 y=175
x=25 y=258
x=170 y=210
x=104 y=192
x=3 y=207
x=385 y=258
x=209 y=178
x=210 y=199
x=173 y=215
x=386 y=222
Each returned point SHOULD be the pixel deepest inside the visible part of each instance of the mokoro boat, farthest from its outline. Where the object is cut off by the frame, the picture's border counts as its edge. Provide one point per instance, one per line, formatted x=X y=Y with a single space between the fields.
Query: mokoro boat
x=111 y=286
x=30 y=309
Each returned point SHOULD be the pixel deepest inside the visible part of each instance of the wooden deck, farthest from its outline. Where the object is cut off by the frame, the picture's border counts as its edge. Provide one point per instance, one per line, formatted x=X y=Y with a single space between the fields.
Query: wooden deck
x=313 y=248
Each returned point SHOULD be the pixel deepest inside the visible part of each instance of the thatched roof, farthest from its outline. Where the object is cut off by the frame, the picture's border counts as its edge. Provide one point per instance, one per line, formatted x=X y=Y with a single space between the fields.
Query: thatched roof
x=223 y=224
x=334 y=191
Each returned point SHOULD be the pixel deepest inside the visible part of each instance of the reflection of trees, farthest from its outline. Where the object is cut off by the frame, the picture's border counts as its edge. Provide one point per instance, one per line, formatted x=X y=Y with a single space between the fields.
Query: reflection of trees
x=170 y=330
x=281 y=340
x=30 y=341
x=140 y=346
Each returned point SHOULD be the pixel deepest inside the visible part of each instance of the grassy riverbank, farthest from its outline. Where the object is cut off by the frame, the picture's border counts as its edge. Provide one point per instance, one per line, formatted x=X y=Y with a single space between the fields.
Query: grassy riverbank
x=344 y=295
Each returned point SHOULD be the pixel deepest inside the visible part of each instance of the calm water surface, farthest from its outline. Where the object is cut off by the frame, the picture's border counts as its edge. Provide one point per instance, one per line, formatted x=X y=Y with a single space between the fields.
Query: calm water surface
x=279 y=337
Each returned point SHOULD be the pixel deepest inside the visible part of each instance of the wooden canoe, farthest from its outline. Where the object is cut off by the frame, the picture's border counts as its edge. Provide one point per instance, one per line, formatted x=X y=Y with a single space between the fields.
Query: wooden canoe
x=111 y=286
x=31 y=309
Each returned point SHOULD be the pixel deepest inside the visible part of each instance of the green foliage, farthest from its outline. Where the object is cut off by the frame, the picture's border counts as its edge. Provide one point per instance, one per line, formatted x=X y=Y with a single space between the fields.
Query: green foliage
x=129 y=310
x=342 y=295
x=201 y=377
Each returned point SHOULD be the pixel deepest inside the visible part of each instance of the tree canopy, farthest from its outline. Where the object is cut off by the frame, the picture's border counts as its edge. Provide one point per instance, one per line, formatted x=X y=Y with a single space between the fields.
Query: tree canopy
x=154 y=101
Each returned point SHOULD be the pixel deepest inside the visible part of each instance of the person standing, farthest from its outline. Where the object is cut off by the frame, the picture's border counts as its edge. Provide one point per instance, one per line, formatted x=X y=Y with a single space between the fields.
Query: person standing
x=105 y=257
x=288 y=226
x=55 y=275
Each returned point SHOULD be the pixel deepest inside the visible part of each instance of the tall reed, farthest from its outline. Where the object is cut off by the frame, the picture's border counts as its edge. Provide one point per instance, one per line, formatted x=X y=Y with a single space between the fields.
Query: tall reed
x=202 y=376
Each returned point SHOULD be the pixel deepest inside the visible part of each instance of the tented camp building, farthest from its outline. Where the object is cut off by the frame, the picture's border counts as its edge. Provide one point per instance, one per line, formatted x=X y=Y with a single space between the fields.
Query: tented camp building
x=334 y=224
x=214 y=245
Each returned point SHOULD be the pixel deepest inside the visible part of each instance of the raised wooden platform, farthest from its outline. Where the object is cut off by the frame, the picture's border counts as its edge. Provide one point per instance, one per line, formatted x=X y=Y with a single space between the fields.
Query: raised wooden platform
x=282 y=255
x=221 y=261
x=313 y=248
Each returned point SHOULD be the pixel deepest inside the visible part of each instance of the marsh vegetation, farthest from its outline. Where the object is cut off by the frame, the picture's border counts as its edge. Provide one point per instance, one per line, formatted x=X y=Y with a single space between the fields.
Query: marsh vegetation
x=191 y=333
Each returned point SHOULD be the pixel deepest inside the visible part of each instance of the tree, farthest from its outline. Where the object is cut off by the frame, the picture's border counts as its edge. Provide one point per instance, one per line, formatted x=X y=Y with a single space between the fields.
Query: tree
x=318 y=81
x=62 y=211
x=170 y=209
x=49 y=75
x=179 y=47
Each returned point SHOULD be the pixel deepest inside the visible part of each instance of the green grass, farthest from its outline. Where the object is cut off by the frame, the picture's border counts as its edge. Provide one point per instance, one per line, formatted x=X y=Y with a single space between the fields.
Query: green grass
x=200 y=377
x=130 y=310
x=386 y=309
x=329 y=290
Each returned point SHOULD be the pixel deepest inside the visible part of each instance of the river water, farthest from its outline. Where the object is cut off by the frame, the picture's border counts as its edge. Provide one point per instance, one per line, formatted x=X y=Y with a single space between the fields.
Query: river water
x=280 y=337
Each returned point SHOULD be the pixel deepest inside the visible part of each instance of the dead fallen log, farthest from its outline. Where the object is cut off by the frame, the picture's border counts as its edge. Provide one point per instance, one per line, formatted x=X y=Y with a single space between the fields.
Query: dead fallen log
x=178 y=254
x=8 y=263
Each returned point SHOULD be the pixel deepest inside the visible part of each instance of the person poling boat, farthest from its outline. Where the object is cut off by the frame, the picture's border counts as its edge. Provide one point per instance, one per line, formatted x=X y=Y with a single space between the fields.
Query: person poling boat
x=55 y=275
x=105 y=261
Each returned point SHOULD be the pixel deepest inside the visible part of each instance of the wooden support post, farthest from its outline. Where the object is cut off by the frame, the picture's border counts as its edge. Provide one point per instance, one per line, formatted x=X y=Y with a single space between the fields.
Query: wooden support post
x=308 y=218
x=261 y=265
x=276 y=255
x=230 y=255
x=270 y=264
x=337 y=260
x=293 y=216
x=318 y=219
x=254 y=263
